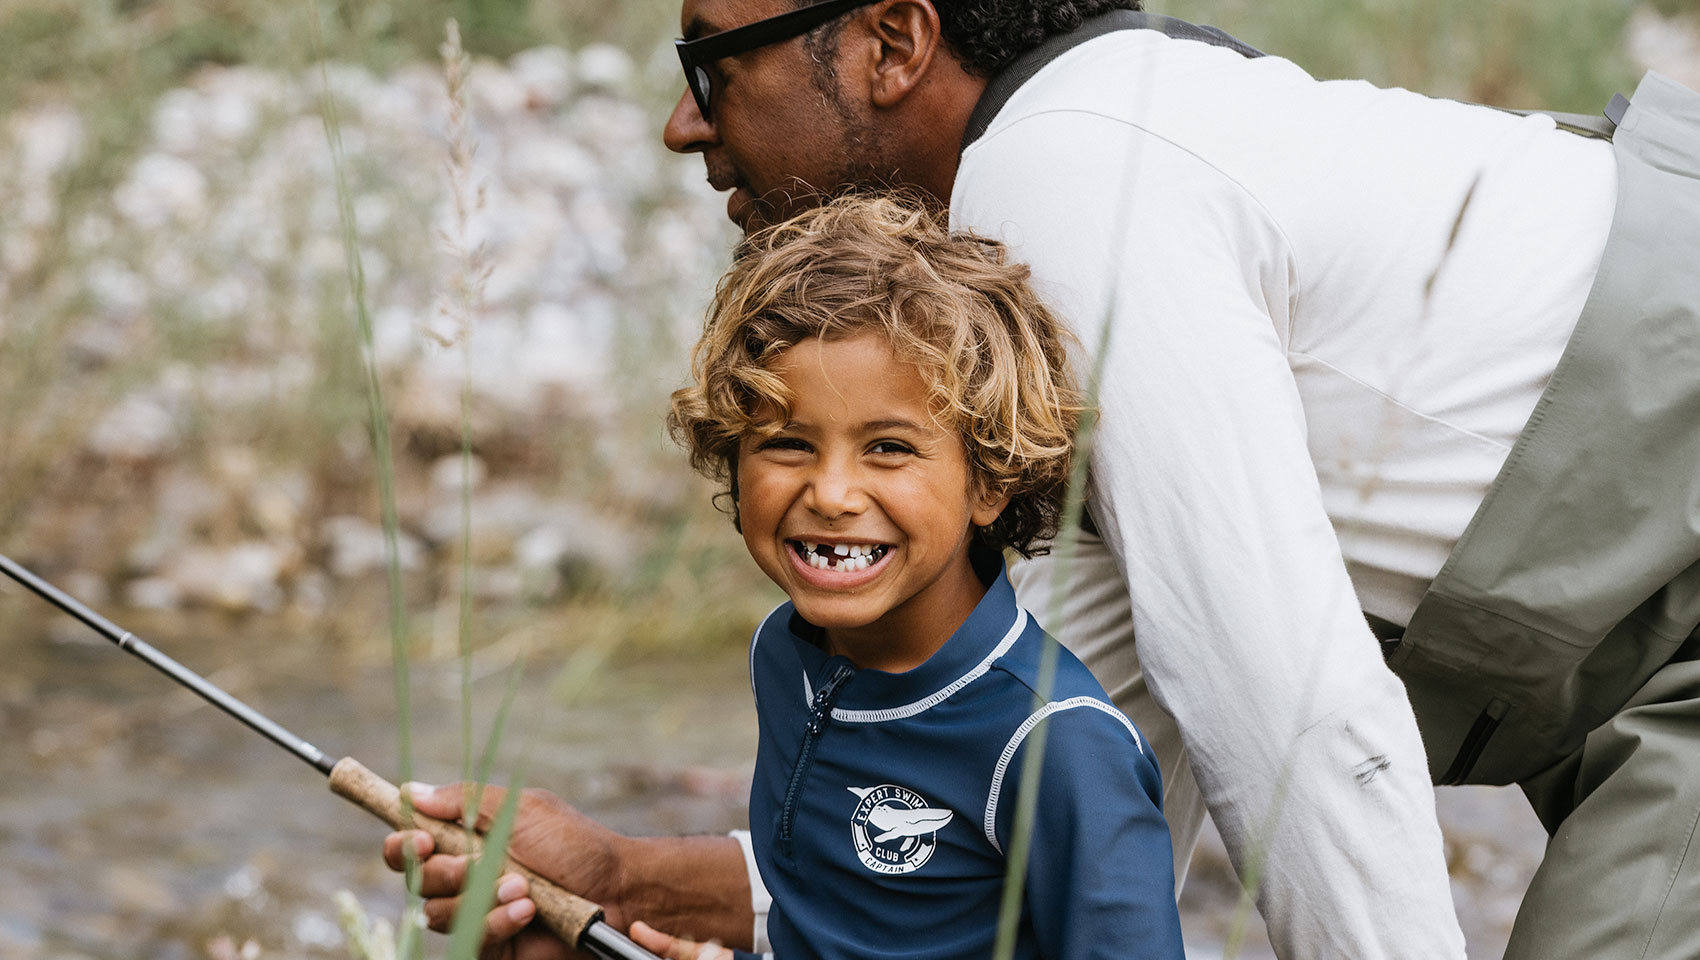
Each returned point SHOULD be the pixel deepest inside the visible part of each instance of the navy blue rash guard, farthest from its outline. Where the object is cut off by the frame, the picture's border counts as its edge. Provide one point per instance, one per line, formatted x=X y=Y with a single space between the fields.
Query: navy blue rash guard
x=883 y=803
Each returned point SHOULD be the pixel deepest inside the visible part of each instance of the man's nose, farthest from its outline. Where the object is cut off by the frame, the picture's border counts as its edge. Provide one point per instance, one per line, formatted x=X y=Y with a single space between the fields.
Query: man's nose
x=686 y=130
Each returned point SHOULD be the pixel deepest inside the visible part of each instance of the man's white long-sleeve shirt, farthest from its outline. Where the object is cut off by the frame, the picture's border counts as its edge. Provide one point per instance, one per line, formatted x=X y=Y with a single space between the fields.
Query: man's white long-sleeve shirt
x=1331 y=310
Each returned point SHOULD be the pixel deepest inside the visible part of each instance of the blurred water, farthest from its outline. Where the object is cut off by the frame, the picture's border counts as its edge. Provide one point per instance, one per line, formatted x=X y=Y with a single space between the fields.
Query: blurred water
x=136 y=823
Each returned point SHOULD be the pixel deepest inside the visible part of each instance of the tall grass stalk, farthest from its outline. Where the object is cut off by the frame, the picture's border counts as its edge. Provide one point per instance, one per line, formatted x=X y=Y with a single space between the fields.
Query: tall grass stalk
x=1065 y=548
x=409 y=944
x=463 y=303
x=479 y=895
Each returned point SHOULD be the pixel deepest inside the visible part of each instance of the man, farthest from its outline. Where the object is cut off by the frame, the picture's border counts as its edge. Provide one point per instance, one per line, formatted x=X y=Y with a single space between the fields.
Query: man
x=1365 y=355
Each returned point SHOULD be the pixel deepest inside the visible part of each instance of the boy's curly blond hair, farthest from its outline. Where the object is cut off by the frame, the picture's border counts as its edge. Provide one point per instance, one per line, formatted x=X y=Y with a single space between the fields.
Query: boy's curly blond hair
x=994 y=358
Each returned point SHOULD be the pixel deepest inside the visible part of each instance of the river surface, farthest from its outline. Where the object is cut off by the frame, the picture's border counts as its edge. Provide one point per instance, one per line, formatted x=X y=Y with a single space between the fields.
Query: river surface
x=136 y=822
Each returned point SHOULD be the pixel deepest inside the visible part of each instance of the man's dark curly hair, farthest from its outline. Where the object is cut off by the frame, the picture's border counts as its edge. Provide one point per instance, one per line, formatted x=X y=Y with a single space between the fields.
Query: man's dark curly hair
x=987 y=34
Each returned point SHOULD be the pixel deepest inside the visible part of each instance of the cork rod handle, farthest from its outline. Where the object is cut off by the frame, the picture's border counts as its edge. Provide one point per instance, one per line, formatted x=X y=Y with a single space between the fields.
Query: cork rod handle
x=563 y=913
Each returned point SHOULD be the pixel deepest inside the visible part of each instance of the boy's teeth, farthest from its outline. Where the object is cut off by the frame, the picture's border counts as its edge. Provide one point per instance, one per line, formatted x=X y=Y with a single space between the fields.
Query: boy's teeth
x=840 y=556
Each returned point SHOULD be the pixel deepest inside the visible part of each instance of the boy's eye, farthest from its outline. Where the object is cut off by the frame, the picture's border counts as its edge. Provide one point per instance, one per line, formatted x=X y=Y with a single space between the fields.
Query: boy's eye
x=891 y=447
x=782 y=443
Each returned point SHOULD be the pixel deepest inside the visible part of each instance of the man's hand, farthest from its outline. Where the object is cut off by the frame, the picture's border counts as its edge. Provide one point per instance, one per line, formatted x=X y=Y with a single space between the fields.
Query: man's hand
x=669 y=947
x=549 y=836
x=696 y=885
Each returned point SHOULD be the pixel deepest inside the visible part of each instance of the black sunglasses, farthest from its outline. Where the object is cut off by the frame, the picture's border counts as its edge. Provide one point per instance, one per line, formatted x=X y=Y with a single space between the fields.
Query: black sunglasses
x=696 y=55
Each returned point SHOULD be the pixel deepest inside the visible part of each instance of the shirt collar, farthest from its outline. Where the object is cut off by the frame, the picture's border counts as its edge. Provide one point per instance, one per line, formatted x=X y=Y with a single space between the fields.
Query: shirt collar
x=874 y=696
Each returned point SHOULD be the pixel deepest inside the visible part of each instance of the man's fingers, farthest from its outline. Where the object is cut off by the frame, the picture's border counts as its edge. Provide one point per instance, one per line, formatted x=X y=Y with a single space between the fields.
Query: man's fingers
x=442 y=876
x=440 y=913
x=508 y=919
x=448 y=802
x=441 y=884
x=395 y=847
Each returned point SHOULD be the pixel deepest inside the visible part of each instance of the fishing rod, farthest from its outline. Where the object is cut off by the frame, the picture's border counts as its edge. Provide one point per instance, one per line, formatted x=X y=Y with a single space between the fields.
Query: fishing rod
x=575 y=919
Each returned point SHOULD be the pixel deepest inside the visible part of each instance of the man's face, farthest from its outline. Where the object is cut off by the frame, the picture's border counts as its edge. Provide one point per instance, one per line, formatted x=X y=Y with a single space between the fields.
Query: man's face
x=786 y=130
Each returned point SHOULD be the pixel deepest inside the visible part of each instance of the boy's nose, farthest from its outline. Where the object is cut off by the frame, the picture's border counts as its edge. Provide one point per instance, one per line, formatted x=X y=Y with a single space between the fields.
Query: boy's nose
x=835 y=493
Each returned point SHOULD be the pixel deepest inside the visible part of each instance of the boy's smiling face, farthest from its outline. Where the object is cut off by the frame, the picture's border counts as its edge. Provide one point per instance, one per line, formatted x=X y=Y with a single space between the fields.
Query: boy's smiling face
x=861 y=506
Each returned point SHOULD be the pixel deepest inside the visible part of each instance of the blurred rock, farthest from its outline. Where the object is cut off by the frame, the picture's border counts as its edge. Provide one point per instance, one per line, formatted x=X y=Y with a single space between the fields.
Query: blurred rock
x=357 y=546
x=605 y=66
x=244 y=577
x=142 y=891
x=278 y=500
x=451 y=474
x=138 y=428
x=153 y=593
x=183 y=501
x=87 y=586
x=544 y=538
x=162 y=189
x=546 y=73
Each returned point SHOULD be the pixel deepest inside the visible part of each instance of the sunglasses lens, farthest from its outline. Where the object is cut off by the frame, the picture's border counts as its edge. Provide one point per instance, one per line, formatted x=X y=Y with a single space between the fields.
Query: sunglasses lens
x=701 y=87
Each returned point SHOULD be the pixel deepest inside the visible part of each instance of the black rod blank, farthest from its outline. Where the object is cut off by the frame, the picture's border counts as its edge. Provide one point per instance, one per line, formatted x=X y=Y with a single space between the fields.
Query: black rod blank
x=130 y=643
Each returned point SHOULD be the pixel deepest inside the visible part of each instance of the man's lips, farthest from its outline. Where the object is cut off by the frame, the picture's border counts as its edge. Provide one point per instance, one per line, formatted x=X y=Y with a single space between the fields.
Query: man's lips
x=721 y=174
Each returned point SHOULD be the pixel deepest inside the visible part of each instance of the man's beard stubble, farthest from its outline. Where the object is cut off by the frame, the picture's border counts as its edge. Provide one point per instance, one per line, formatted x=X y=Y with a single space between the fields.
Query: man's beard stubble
x=864 y=162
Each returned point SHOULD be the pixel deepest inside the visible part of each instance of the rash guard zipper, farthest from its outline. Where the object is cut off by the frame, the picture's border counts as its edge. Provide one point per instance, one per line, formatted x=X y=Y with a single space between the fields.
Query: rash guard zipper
x=820 y=709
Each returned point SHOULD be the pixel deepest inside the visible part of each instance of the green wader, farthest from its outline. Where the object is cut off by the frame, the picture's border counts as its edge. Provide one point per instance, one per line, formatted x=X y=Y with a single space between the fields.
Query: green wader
x=1558 y=647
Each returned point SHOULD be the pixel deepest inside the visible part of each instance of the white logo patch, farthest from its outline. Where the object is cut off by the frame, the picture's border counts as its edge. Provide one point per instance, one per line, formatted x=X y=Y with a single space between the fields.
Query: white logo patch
x=893 y=828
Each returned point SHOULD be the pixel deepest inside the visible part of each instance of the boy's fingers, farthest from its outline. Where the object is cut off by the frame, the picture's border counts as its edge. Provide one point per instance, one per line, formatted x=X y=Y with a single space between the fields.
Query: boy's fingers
x=658 y=943
x=675 y=948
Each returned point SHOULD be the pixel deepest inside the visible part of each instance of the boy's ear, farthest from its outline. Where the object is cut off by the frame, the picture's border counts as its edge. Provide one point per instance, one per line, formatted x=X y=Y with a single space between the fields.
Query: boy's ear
x=988 y=507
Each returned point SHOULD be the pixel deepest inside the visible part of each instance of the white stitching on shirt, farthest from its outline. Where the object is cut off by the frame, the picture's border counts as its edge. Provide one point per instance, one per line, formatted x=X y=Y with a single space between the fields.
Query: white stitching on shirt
x=1056 y=706
x=911 y=709
x=755 y=638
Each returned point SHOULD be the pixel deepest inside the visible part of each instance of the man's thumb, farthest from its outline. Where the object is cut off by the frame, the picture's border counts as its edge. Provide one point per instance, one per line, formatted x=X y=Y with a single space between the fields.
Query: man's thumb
x=448 y=802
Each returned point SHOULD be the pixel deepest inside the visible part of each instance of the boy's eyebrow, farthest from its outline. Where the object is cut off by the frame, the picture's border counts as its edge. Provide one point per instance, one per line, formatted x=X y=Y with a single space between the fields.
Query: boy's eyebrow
x=892 y=425
x=870 y=426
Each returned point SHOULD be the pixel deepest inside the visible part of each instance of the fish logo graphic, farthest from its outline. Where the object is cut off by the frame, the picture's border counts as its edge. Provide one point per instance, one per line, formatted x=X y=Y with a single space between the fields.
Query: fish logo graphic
x=893 y=829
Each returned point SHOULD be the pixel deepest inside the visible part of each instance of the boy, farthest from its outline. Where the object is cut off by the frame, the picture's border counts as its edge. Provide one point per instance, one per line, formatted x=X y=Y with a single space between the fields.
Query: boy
x=891 y=408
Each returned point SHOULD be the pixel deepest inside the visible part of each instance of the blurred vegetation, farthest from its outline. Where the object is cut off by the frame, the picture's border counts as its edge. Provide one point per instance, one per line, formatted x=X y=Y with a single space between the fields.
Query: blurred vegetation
x=1563 y=55
x=109 y=62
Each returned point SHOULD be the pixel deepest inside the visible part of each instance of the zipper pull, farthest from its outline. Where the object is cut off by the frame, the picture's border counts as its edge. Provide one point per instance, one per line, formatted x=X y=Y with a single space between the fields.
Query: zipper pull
x=821 y=706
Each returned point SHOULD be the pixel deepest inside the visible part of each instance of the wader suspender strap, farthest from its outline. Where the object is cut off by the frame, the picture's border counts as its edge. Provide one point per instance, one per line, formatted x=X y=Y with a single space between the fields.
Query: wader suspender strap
x=1022 y=69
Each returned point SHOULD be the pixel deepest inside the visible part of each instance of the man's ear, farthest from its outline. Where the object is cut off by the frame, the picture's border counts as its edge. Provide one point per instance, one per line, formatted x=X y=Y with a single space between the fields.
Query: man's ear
x=908 y=38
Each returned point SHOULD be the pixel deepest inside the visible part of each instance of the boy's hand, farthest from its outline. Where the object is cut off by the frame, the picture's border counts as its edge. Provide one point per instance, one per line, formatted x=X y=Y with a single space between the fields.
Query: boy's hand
x=669 y=947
